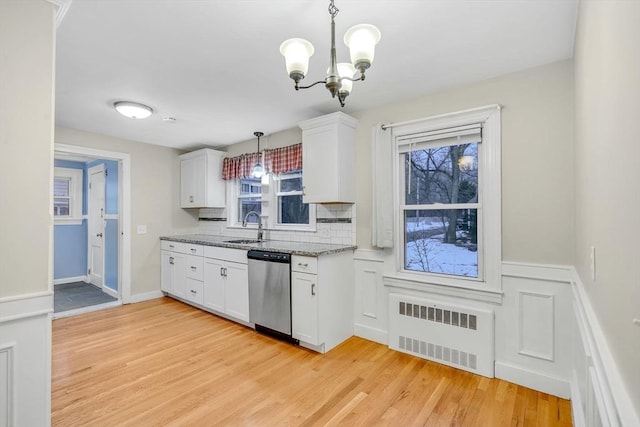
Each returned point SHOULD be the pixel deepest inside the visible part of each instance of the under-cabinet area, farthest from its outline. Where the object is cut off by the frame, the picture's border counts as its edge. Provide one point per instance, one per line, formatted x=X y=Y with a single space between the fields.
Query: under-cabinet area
x=213 y=274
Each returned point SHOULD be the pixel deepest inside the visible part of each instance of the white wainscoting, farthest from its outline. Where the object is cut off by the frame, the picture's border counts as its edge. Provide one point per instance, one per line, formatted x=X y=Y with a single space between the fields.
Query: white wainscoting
x=371 y=297
x=533 y=327
x=25 y=360
x=598 y=395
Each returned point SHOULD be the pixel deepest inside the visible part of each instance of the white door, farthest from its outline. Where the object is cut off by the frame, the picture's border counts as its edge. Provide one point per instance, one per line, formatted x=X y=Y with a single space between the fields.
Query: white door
x=96 y=224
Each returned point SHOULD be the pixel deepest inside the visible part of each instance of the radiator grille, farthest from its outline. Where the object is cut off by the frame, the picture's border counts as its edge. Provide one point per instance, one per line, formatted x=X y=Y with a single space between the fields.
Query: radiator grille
x=438 y=315
x=439 y=352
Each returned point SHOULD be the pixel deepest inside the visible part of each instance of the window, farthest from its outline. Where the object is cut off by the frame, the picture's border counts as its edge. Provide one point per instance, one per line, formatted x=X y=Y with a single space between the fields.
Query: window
x=67 y=195
x=249 y=199
x=278 y=199
x=448 y=198
x=291 y=209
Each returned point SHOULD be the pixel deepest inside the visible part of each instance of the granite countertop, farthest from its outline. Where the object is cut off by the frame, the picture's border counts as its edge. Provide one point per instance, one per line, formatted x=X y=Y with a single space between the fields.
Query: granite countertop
x=295 y=248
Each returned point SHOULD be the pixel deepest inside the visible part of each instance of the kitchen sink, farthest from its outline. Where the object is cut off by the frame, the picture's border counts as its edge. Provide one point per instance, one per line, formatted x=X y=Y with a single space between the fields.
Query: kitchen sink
x=244 y=241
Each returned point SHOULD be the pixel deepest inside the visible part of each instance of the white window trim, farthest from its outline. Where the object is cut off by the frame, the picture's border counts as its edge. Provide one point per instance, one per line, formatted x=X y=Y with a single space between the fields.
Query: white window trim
x=491 y=231
x=273 y=220
x=75 y=177
x=233 y=193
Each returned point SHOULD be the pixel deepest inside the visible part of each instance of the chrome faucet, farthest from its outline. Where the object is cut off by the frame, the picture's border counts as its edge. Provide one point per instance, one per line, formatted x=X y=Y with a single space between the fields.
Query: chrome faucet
x=244 y=222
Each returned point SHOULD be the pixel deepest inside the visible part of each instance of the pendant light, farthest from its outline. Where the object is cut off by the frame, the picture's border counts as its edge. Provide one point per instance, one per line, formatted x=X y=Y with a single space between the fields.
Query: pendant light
x=257 y=171
x=361 y=40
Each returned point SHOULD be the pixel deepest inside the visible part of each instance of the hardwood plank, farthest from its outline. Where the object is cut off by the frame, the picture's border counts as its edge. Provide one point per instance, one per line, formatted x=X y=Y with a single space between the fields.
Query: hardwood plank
x=165 y=363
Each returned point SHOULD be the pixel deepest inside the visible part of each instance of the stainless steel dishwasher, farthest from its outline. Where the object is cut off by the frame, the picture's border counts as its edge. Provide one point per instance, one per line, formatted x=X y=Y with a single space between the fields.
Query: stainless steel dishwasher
x=270 y=293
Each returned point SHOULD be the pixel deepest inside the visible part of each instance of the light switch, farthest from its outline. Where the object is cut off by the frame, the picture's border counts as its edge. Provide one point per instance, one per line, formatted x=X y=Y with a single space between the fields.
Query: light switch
x=142 y=229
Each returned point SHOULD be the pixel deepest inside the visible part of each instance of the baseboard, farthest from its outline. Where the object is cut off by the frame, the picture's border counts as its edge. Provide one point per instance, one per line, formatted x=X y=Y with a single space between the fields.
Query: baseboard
x=111 y=292
x=534 y=380
x=616 y=405
x=371 y=334
x=144 y=297
x=65 y=280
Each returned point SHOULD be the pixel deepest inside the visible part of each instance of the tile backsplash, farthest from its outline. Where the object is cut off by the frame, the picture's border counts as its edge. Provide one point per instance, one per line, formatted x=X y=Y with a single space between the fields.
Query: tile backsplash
x=335 y=224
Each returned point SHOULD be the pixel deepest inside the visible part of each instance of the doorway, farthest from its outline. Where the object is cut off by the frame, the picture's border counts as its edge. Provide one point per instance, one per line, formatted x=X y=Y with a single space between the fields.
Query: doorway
x=105 y=279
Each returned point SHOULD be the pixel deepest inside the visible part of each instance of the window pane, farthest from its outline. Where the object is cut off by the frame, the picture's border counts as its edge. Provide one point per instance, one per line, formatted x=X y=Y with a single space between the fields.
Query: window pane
x=292 y=184
x=442 y=175
x=291 y=210
x=442 y=241
x=250 y=186
x=61 y=206
x=61 y=186
x=247 y=205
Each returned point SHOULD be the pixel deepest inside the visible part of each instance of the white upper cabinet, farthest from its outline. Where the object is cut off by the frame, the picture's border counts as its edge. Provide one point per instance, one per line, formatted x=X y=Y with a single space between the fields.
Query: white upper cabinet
x=201 y=183
x=328 y=159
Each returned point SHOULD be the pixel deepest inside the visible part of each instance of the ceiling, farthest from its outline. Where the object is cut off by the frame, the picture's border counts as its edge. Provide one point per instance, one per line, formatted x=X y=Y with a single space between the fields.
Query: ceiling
x=215 y=65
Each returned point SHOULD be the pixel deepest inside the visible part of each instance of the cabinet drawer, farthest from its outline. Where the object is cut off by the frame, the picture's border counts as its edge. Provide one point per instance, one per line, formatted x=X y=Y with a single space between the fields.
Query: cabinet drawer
x=183 y=248
x=227 y=254
x=304 y=264
x=195 y=291
x=195 y=267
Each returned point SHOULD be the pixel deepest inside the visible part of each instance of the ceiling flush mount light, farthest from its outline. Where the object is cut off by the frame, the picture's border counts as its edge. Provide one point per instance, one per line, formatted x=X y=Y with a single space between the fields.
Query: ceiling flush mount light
x=133 y=110
x=257 y=171
x=361 y=40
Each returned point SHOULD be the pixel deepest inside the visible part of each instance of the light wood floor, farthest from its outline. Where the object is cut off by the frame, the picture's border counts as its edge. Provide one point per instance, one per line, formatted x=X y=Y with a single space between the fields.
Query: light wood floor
x=164 y=363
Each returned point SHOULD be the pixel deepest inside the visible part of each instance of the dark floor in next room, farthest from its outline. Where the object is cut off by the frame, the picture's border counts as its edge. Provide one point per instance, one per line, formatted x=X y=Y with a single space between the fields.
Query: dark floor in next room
x=71 y=296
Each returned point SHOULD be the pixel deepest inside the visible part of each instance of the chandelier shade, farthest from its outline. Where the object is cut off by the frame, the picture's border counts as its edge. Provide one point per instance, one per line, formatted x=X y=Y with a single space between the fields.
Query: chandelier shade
x=362 y=40
x=297 y=53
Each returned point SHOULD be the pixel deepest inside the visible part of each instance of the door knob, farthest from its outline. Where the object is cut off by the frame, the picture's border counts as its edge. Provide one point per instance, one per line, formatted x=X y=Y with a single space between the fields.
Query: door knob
x=99 y=235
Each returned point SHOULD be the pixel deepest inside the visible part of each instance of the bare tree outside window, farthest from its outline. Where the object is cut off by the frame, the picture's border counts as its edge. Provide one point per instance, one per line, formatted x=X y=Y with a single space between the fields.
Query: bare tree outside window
x=441 y=232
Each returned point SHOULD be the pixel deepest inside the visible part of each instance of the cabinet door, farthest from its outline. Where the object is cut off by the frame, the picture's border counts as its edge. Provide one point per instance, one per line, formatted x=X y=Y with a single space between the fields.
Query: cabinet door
x=214 y=283
x=304 y=307
x=192 y=182
x=166 y=271
x=194 y=290
x=178 y=275
x=237 y=291
x=319 y=173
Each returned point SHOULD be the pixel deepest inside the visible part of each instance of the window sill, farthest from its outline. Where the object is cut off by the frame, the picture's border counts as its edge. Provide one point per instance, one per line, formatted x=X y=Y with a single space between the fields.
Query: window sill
x=67 y=221
x=480 y=292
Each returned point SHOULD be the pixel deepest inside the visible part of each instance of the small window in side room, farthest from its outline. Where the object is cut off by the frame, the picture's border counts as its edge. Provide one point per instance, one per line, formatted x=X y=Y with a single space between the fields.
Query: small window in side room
x=67 y=196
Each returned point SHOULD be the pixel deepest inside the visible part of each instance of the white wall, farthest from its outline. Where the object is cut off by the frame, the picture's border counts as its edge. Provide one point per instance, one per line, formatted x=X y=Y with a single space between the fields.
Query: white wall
x=537 y=152
x=27 y=52
x=155 y=192
x=607 y=92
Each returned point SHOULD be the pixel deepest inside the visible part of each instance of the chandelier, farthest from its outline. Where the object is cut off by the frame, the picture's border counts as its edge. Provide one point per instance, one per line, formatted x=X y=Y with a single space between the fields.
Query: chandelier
x=361 y=40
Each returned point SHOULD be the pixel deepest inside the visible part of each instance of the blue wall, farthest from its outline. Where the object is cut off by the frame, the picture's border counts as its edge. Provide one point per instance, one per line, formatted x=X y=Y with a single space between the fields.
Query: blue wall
x=70 y=241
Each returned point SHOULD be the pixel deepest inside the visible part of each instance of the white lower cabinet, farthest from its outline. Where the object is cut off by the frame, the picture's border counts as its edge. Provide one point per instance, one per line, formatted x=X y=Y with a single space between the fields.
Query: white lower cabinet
x=226 y=283
x=173 y=273
x=304 y=307
x=322 y=300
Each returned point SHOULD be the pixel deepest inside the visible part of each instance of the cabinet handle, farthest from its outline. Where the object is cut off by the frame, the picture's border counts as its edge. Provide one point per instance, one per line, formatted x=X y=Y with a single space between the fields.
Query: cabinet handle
x=171 y=246
x=305 y=265
x=225 y=272
x=190 y=199
x=222 y=271
x=194 y=250
x=193 y=292
x=313 y=289
x=194 y=268
x=171 y=260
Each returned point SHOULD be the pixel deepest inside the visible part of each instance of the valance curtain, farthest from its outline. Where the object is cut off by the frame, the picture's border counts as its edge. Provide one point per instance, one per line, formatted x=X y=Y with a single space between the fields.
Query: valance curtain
x=276 y=161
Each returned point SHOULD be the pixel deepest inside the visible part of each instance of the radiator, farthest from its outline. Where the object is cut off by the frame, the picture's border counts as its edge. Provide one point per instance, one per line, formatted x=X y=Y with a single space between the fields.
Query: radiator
x=454 y=335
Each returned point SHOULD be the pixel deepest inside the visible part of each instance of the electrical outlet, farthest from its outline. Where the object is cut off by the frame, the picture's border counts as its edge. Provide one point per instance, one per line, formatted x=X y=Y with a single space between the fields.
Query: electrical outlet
x=142 y=229
x=592 y=262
